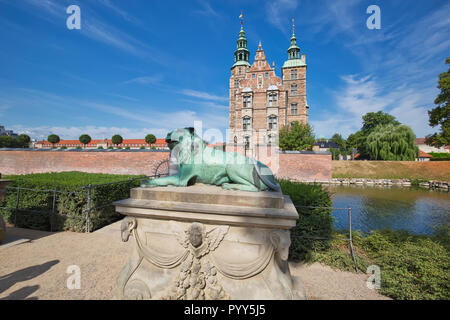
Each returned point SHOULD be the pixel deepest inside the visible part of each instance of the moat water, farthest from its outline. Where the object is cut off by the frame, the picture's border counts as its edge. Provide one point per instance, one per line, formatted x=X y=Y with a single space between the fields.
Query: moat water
x=416 y=210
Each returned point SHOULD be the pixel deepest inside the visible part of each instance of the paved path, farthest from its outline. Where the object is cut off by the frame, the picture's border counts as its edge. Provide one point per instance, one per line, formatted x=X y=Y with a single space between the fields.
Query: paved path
x=38 y=269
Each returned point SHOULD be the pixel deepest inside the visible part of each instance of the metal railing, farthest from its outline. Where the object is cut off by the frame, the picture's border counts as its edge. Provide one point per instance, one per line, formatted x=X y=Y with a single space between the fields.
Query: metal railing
x=86 y=213
x=349 y=239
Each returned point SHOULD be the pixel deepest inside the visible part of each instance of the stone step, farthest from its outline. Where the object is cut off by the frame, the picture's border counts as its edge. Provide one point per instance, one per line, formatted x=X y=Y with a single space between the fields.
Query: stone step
x=212 y=195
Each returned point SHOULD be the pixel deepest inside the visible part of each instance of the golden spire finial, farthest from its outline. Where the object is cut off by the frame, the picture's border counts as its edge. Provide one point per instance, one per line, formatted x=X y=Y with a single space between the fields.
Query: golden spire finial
x=242 y=19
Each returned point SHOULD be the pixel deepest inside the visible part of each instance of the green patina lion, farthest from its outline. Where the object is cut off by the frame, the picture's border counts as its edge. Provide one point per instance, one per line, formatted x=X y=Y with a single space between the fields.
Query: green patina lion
x=200 y=163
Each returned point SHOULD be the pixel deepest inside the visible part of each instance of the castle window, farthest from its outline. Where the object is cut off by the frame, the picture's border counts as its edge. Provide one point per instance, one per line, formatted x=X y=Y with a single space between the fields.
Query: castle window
x=269 y=139
x=293 y=90
x=253 y=75
x=246 y=123
x=235 y=140
x=236 y=83
x=272 y=122
x=240 y=70
x=247 y=101
x=247 y=142
x=294 y=109
x=266 y=74
x=293 y=74
x=272 y=99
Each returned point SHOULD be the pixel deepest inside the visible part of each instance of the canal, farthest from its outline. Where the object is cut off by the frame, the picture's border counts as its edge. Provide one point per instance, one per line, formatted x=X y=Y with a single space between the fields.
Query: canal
x=416 y=210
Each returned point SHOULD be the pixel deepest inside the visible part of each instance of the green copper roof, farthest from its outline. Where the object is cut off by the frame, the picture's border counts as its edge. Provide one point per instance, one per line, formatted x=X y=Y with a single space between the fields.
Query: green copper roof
x=241 y=63
x=294 y=63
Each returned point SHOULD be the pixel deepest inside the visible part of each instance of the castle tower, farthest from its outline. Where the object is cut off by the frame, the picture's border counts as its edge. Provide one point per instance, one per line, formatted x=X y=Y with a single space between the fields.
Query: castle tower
x=294 y=82
x=260 y=102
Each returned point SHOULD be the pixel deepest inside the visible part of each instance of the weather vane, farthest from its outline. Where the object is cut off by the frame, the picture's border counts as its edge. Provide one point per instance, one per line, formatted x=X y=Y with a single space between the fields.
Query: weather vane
x=242 y=19
x=293 y=26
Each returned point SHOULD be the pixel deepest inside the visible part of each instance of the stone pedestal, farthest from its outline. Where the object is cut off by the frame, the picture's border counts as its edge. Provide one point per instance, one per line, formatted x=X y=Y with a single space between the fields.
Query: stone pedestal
x=202 y=242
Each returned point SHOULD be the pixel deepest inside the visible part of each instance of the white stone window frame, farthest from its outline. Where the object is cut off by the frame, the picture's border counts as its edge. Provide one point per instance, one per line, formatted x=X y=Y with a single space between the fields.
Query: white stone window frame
x=296 y=109
x=247 y=100
x=294 y=74
x=246 y=123
x=272 y=122
x=294 y=89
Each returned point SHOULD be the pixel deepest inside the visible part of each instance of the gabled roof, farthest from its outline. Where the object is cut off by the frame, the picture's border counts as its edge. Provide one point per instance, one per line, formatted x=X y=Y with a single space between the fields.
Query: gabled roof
x=424 y=154
x=419 y=141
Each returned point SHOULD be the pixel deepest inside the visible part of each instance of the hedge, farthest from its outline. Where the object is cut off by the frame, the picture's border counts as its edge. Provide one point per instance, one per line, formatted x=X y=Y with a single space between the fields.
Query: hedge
x=313 y=222
x=36 y=206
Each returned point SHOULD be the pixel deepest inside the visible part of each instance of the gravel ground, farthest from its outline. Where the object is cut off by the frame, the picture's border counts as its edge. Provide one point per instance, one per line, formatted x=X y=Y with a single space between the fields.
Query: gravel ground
x=38 y=269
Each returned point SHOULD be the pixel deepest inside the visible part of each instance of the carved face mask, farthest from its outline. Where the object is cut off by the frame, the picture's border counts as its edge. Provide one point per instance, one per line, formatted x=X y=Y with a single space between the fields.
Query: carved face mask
x=196 y=235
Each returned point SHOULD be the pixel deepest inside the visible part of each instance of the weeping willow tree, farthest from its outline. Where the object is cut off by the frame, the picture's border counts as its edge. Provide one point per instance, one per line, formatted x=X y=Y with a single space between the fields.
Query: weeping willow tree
x=392 y=142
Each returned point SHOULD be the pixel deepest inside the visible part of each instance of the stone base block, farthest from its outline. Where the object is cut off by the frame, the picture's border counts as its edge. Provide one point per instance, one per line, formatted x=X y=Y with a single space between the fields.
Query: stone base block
x=187 y=247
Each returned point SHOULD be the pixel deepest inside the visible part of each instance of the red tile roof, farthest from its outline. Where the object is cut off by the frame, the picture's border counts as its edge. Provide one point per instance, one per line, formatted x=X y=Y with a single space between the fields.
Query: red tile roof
x=125 y=142
x=419 y=141
x=424 y=154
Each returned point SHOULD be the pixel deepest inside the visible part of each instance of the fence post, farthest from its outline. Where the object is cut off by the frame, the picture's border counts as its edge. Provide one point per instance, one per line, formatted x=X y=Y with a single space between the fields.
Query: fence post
x=88 y=213
x=17 y=207
x=52 y=214
x=351 y=238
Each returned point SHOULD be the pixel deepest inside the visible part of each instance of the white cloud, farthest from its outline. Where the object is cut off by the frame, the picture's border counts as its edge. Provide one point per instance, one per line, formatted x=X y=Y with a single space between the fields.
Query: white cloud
x=206 y=9
x=279 y=13
x=145 y=80
x=202 y=95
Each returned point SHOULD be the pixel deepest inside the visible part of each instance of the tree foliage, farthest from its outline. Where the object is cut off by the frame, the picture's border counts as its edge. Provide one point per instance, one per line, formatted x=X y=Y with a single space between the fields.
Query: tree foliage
x=392 y=142
x=150 y=139
x=53 y=138
x=84 y=139
x=440 y=115
x=24 y=140
x=297 y=137
x=117 y=139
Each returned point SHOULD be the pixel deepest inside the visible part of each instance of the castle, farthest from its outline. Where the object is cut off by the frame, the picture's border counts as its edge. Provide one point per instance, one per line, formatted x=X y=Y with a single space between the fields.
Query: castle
x=260 y=101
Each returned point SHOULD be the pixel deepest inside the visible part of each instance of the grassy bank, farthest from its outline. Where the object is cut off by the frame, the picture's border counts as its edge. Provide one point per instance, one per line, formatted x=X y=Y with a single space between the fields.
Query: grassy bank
x=429 y=170
x=413 y=267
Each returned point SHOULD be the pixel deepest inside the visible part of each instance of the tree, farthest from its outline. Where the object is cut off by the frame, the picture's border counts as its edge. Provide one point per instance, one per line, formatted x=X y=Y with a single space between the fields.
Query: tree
x=84 y=139
x=371 y=121
x=53 y=138
x=150 y=139
x=117 y=139
x=24 y=140
x=297 y=137
x=8 y=142
x=392 y=142
x=374 y=119
x=342 y=144
x=440 y=115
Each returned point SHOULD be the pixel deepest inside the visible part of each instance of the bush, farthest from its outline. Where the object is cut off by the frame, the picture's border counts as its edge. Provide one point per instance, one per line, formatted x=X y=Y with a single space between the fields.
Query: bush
x=119 y=147
x=127 y=148
x=63 y=147
x=36 y=206
x=142 y=148
x=110 y=147
x=312 y=222
x=100 y=148
x=78 y=147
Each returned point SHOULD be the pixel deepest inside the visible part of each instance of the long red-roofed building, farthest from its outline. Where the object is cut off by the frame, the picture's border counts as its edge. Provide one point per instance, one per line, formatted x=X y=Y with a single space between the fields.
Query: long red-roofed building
x=104 y=143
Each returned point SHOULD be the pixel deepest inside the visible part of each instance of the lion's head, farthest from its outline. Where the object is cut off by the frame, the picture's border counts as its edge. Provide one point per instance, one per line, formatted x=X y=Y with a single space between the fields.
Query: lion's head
x=184 y=144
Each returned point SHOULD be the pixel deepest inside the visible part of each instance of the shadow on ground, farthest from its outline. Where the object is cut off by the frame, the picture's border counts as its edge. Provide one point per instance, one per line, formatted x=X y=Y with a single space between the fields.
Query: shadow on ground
x=7 y=281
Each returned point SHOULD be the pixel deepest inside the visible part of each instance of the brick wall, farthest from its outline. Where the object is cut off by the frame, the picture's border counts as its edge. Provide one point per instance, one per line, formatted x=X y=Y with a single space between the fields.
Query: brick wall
x=113 y=162
x=294 y=165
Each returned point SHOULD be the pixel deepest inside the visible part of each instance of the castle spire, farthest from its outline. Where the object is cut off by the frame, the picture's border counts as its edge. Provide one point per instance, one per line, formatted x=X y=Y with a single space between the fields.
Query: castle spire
x=241 y=55
x=294 y=58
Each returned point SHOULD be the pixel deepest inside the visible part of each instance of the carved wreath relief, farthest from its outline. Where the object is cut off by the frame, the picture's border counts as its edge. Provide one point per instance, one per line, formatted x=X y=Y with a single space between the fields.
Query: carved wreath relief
x=197 y=279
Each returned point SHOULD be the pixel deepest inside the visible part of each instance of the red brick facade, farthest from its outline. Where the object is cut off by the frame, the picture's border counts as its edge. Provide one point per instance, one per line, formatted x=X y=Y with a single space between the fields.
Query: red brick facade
x=296 y=166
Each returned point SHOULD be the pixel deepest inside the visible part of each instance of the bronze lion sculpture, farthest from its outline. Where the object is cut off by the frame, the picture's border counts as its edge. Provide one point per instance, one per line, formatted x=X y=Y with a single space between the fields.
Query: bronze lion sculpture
x=199 y=163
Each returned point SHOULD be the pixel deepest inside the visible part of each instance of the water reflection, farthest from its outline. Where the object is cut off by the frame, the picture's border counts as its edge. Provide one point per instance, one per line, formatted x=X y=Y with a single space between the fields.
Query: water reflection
x=415 y=210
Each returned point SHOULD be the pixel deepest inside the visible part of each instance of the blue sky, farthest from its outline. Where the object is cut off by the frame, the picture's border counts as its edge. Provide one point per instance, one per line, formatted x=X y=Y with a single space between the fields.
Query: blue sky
x=139 y=67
